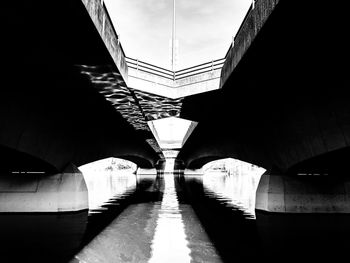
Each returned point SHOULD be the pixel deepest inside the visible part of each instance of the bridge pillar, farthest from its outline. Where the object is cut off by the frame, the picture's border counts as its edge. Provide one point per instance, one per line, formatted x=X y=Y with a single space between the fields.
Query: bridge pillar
x=303 y=218
x=303 y=194
x=27 y=192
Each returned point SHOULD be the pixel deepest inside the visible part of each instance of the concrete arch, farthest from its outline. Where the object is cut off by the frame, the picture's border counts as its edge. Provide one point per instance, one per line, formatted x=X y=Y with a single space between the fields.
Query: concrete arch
x=333 y=163
x=65 y=120
x=140 y=161
x=200 y=162
x=16 y=162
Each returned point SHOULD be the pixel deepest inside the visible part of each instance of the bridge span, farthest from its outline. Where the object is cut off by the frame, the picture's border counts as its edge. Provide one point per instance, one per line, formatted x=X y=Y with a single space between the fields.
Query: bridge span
x=278 y=99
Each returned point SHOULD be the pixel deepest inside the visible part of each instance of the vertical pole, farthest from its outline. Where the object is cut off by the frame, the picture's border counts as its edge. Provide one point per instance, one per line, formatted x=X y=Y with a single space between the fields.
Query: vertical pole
x=173 y=37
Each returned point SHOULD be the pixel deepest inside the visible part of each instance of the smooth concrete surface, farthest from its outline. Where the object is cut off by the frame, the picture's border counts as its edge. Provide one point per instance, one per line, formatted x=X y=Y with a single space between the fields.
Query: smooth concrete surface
x=187 y=86
x=30 y=193
x=303 y=194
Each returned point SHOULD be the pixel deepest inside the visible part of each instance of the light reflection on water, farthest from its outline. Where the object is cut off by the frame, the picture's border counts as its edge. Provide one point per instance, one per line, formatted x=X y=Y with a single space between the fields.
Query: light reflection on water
x=238 y=188
x=154 y=228
x=170 y=242
x=104 y=184
x=199 y=219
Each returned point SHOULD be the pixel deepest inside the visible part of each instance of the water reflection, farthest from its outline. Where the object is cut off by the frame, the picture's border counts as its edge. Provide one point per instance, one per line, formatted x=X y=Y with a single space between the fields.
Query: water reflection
x=304 y=237
x=153 y=228
x=104 y=183
x=228 y=227
x=169 y=243
x=237 y=187
x=189 y=219
x=41 y=237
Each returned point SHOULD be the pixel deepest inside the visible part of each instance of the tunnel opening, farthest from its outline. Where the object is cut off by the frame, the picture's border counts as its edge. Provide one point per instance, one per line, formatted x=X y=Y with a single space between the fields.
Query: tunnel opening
x=13 y=162
x=234 y=180
x=171 y=134
x=106 y=178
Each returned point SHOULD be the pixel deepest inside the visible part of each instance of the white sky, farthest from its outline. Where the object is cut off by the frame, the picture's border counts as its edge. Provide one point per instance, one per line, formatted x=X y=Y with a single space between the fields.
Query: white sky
x=204 y=28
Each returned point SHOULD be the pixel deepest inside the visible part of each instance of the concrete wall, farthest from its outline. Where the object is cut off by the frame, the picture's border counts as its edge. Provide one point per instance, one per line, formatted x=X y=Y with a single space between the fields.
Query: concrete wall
x=312 y=194
x=249 y=29
x=186 y=86
x=104 y=25
x=29 y=193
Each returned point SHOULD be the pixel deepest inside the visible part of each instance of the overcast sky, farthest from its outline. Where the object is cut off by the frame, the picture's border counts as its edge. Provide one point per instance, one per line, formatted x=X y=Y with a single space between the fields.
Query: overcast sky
x=204 y=28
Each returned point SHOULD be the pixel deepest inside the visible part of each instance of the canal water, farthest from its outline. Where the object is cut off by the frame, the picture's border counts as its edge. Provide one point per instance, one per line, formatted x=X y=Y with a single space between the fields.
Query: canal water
x=173 y=218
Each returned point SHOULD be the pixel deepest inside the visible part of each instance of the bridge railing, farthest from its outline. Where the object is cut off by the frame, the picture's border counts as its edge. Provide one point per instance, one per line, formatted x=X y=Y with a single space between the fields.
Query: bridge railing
x=149 y=68
x=199 y=69
x=175 y=75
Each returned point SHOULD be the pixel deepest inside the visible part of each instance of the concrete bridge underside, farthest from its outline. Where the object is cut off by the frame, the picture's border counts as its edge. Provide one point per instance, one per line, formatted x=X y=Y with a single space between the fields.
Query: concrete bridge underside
x=283 y=103
x=49 y=110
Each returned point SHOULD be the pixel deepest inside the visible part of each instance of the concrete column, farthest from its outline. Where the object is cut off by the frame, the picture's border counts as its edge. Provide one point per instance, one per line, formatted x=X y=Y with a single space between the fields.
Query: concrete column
x=62 y=192
x=303 y=194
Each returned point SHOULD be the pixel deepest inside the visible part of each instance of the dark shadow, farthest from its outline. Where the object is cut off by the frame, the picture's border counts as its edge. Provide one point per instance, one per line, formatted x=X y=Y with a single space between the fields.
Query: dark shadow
x=41 y=237
x=16 y=161
x=335 y=163
x=304 y=237
x=233 y=234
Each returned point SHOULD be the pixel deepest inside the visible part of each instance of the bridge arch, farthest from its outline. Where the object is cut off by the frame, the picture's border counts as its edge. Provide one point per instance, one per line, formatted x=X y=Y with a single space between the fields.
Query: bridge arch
x=15 y=162
x=201 y=161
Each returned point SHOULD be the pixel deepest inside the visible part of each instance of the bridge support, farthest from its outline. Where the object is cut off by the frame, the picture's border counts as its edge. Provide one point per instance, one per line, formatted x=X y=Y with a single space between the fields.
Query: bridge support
x=62 y=192
x=303 y=217
x=303 y=194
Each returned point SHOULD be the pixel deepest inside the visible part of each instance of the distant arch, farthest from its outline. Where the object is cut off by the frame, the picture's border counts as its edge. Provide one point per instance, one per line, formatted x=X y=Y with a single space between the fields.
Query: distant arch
x=110 y=163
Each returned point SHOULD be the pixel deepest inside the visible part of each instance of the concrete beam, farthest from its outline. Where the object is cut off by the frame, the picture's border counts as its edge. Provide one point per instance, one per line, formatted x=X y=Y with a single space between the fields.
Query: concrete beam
x=253 y=22
x=104 y=26
x=187 y=86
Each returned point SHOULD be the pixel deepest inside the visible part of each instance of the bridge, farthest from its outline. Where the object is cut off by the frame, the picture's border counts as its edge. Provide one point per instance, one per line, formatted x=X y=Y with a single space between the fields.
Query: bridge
x=70 y=96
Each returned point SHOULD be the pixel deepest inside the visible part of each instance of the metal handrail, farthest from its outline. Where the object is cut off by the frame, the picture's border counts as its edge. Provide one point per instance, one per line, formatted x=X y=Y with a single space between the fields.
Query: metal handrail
x=146 y=71
x=139 y=62
x=200 y=65
x=208 y=66
x=175 y=75
x=138 y=66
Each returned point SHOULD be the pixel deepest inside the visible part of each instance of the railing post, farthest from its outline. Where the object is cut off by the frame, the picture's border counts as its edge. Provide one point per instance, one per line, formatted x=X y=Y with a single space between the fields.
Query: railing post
x=233 y=41
x=212 y=66
x=137 y=67
x=253 y=4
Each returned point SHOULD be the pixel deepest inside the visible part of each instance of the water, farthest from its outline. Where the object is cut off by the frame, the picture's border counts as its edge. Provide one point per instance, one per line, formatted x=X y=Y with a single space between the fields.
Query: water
x=173 y=219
